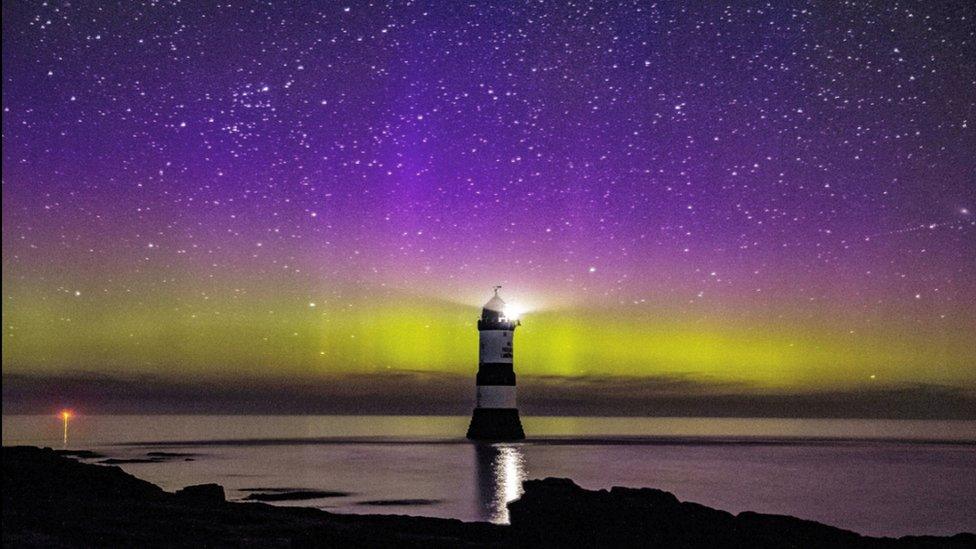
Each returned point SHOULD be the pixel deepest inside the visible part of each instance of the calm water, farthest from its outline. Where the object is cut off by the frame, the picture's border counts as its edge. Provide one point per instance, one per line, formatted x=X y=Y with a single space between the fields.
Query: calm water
x=874 y=477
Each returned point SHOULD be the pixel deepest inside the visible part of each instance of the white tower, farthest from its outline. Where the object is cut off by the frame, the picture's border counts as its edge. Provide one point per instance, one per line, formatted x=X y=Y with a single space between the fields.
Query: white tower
x=496 y=415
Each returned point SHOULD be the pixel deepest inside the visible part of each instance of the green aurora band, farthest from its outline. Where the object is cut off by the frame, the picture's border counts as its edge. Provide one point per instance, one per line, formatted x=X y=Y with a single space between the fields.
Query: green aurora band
x=282 y=337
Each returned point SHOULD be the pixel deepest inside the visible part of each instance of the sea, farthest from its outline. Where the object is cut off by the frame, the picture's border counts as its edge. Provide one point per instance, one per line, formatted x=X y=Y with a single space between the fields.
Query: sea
x=875 y=477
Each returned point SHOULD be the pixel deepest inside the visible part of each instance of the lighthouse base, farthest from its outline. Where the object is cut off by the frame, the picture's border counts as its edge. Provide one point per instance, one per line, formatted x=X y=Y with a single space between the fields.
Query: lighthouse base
x=495 y=424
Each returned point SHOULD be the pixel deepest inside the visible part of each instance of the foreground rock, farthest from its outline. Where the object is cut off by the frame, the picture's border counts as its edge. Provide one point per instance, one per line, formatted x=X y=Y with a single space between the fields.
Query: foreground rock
x=53 y=501
x=203 y=494
x=558 y=512
x=294 y=495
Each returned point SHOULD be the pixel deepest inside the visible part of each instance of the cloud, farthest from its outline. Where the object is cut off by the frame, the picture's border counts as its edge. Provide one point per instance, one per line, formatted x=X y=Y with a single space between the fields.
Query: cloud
x=684 y=396
x=419 y=392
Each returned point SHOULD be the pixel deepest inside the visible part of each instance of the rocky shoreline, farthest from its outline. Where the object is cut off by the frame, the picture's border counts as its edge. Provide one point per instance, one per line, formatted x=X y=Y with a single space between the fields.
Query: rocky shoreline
x=52 y=500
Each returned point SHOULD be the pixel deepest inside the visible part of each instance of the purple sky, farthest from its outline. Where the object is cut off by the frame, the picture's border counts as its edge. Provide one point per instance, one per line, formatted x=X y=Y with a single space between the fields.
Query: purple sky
x=801 y=163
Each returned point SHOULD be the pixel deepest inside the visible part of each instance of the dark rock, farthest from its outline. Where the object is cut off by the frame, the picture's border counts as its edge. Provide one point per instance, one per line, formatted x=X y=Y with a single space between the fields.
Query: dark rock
x=270 y=489
x=30 y=473
x=168 y=455
x=203 y=494
x=151 y=457
x=123 y=461
x=557 y=512
x=294 y=495
x=399 y=502
x=80 y=454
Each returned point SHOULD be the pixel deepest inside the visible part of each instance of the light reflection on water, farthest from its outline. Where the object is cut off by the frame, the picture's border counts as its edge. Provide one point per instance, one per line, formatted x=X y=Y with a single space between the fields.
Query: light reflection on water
x=500 y=469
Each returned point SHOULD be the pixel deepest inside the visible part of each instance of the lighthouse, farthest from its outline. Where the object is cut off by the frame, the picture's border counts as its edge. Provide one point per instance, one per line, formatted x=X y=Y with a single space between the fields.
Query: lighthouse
x=495 y=415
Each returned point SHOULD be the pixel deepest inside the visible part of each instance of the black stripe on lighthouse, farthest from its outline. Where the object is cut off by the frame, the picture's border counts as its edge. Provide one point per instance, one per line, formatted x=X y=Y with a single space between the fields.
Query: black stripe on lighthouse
x=496 y=374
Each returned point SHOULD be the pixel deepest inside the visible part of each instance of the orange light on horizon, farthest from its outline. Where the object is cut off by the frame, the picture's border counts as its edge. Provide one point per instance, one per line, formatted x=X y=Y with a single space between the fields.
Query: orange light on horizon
x=65 y=416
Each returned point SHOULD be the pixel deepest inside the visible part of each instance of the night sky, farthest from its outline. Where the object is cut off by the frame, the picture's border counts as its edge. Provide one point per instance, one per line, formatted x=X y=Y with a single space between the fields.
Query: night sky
x=770 y=197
